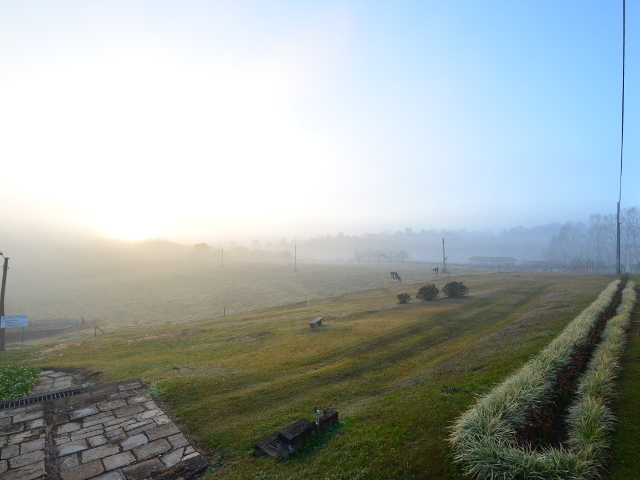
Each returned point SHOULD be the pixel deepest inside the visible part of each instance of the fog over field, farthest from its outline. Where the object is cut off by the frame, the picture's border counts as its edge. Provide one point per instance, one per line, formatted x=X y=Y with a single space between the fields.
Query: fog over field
x=422 y=246
x=213 y=122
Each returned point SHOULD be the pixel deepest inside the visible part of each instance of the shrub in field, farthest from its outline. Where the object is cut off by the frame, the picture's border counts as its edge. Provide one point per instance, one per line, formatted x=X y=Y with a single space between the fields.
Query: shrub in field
x=455 y=289
x=16 y=382
x=484 y=438
x=404 y=298
x=428 y=292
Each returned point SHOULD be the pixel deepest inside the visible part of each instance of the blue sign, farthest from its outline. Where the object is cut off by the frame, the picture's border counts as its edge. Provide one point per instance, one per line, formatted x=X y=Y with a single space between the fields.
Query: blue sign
x=13 y=321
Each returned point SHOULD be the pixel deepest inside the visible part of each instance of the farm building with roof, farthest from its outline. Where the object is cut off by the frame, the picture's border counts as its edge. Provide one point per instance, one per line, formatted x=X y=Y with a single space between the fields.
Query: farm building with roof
x=496 y=261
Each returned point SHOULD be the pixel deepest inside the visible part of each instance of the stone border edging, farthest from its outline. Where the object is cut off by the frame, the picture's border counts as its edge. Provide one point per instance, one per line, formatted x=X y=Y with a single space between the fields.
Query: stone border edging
x=108 y=432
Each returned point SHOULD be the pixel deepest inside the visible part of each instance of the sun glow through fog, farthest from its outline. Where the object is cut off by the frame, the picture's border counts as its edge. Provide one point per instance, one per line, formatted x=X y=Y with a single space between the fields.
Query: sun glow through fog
x=218 y=121
x=146 y=142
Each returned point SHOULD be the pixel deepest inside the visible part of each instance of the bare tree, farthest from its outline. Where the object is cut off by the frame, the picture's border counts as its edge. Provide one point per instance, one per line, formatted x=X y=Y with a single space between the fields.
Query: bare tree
x=402 y=257
x=630 y=238
x=570 y=245
x=575 y=243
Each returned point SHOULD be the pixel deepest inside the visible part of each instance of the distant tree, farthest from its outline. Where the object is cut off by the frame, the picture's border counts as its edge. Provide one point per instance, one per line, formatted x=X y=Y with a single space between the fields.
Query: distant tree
x=402 y=256
x=428 y=292
x=569 y=245
x=455 y=289
x=404 y=298
x=630 y=232
x=285 y=256
x=369 y=256
x=201 y=247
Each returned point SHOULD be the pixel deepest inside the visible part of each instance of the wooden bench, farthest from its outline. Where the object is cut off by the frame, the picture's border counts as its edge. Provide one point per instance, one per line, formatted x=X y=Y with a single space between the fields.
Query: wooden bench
x=316 y=323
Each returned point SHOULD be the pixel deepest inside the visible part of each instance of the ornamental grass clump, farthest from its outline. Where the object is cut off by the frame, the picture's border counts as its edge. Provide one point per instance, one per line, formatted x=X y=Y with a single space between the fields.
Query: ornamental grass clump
x=591 y=420
x=545 y=425
x=17 y=382
x=484 y=439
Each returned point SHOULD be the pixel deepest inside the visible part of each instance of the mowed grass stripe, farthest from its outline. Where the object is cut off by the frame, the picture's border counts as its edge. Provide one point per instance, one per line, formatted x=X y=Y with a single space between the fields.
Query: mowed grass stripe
x=360 y=369
x=355 y=359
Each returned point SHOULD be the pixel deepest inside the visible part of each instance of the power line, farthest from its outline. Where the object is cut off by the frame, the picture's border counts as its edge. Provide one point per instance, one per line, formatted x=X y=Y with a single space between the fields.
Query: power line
x=622 y=129
x=618 y=269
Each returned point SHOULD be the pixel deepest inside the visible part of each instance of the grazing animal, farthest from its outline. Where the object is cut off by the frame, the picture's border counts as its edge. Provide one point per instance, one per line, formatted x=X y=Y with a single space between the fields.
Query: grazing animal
x=435 y=271
x=395 y=276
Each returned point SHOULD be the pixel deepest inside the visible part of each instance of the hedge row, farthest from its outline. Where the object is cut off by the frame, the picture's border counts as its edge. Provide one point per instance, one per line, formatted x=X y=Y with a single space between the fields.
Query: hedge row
x=484 y=440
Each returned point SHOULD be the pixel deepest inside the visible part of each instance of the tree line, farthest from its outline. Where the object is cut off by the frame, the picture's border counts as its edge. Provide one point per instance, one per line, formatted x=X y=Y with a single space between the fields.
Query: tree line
x=381 y=257
x=592 y=246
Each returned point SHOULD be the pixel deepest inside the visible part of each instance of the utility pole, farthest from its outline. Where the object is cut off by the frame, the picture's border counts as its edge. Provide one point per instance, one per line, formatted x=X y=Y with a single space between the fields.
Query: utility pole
x=444 y=259
x=295 y=258
x=4 y=283
x=618 y=269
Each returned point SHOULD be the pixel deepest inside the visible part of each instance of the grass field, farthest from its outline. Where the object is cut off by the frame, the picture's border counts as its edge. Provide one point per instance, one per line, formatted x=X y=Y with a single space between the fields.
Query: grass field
x=397 y=374
x=133 y=294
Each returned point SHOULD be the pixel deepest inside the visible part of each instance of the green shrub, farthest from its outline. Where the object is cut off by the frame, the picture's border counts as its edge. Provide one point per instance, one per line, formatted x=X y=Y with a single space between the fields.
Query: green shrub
x=428 y=292
x=16 y=382
x=455 y=289
x=153 y=390
x=404 y=298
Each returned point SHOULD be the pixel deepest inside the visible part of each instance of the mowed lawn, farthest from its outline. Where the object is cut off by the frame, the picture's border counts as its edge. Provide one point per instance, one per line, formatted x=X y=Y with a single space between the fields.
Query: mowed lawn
x=397 y=374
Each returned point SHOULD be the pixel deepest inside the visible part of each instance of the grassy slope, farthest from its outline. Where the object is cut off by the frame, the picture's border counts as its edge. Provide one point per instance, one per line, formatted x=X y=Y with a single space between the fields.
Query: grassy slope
x=626 y=461
x=130 y=294
x=383 y=366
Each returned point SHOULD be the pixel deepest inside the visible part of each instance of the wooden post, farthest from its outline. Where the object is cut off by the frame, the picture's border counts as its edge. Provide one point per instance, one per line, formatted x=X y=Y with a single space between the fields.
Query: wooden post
x=5 y=267
x=295 y=258
x=224 y=311
x=345 y=290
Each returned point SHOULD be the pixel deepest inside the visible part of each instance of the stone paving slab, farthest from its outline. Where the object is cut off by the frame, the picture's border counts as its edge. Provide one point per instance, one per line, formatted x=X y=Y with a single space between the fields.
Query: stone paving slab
x=109 y=432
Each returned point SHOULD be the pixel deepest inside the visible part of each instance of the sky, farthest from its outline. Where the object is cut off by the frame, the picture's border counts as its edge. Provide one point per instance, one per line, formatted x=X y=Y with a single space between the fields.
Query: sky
x=201 y=121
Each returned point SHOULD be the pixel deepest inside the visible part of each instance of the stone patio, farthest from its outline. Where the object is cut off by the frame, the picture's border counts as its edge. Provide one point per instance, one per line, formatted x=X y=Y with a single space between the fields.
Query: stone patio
x=108 y=432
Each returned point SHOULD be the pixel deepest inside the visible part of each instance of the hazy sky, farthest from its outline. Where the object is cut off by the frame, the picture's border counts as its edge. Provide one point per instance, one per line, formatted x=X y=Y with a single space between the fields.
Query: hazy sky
x=204 y=120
